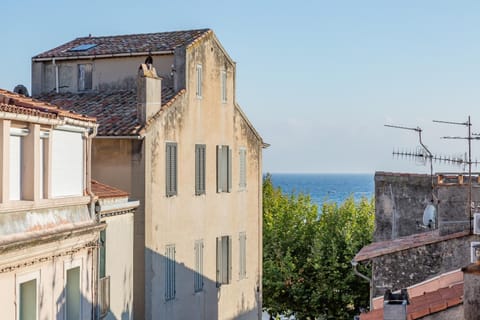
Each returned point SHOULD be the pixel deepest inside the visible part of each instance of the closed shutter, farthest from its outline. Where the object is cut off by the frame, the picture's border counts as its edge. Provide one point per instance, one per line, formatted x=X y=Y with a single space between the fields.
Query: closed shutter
x=171 y=169
x=243 y=168
x=219 y=261
x=219 y=169
x=243 y=255
x=229 y=240
x=200 y=169
x=229 y=169
x=198 y=278
x=170 y=272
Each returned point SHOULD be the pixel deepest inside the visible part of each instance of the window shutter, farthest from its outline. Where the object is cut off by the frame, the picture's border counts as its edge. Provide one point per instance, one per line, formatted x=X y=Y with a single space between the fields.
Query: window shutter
x=203 y=168
x=229 y=240
x=171 y=169
x=197 y=169
x=219 y=261
x=243 y=168
x=229 y=169
x=219 y=169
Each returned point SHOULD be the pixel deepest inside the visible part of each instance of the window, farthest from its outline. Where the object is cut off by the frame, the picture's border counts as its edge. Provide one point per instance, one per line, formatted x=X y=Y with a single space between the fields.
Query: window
x=224 y=169
x=170 y=272
x=223 y=77
x=224 y=260
x=171 y=169
x=15 y=167
x=243 y=168
x=67 y=163
x=83 y=47
x=84 y=77
x=72 y=294
x=199 y=80
x=27 y=299
x=243 y=255
x=103 y=251
x=104 y=287
x=198 y=275
x=200 y=169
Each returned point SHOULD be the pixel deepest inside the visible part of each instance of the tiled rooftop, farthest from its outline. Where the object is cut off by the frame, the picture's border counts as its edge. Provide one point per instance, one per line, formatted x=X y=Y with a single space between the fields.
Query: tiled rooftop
x=105 y=191
x=381 y=248
x=125 y=44
x=116 y=111
x=426 y=304
x=11 y=102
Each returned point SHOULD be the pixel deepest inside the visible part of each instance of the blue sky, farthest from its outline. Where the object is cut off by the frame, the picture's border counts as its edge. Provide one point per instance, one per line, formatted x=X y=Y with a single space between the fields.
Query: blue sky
x=318 y=79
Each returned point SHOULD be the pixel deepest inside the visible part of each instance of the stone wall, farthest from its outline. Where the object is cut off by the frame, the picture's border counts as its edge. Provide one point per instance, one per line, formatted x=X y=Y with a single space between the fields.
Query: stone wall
x=400 y=200
x=405 y=268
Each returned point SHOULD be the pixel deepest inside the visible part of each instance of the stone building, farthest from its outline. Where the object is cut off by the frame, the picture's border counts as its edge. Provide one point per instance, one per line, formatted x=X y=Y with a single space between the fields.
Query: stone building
x=406 y=250
x=48 y=230
x=173 y=136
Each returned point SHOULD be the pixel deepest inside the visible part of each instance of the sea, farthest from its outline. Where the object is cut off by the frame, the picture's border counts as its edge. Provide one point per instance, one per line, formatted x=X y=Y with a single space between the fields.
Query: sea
x=323 y=187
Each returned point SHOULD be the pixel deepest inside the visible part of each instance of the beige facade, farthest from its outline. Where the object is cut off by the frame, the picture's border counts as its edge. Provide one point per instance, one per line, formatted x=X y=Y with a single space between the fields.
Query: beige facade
x=48 y=230
x=195 y=166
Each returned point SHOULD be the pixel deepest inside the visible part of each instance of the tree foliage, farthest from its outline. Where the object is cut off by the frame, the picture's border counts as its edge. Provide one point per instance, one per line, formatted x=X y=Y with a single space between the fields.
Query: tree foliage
x=306 y=255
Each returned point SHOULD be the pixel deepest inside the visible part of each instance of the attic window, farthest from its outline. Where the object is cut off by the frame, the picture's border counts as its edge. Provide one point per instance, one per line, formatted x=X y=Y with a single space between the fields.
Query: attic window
x=83 y=47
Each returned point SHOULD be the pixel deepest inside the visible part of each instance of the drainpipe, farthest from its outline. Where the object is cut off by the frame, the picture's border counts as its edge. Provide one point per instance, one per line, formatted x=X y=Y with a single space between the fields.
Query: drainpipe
x=354 y=265
x=56 y=75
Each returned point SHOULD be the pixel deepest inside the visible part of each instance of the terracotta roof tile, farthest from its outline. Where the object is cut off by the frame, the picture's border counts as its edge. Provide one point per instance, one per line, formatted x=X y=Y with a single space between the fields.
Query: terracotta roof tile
x=116 y=111
x=15 y=103
x=126 y=44
x=426 y=304
x=105 y=191
x=381 y=248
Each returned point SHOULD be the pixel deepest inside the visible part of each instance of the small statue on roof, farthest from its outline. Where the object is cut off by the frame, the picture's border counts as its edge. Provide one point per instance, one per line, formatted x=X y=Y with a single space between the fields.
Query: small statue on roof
x=149 y=60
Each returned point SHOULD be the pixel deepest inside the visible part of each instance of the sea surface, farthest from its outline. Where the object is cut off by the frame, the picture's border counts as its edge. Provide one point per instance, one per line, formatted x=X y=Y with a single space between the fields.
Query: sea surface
x=326 y=186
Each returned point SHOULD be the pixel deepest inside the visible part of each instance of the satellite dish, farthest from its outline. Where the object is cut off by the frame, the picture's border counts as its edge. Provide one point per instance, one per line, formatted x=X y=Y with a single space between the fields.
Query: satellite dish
x=429 y=216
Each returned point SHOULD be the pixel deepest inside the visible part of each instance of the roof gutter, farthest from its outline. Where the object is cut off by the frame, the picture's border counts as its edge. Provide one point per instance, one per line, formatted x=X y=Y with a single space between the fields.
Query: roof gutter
x=136 y=137
x=100 y=56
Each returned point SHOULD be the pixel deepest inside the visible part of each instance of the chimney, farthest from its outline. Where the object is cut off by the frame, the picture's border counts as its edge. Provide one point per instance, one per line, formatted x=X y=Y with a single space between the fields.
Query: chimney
x=471 y=288
x=149 y=92
x=395 y=305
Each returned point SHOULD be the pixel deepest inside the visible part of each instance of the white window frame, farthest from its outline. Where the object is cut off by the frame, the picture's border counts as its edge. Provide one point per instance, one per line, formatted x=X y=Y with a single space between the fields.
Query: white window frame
x=198 y=278
x=199 y=72
x=20 y=279
x=82 y=76
x=242 y=184
x=223 y=86
x=67 y=265
x=242 y=250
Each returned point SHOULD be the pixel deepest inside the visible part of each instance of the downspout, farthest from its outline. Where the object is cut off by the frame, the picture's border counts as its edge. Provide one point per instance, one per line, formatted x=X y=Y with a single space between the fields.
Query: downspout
x=56 y=75
x=93 y=211
x=354 y=265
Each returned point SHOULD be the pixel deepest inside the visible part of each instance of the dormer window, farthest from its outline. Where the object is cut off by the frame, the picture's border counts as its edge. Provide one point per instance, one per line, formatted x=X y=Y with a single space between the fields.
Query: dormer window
x=83 y=47
x=85 y=77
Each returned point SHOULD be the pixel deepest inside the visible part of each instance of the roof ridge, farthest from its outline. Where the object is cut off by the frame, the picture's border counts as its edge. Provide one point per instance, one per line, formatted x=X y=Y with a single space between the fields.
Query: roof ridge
x=142 y=34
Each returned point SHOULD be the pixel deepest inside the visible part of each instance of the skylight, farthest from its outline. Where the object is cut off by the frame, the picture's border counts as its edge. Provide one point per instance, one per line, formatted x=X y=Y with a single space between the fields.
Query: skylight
x=83 y=47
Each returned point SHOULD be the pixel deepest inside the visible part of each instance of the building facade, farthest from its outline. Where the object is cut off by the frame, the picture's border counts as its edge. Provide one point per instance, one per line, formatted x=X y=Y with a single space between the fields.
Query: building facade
x=48 y=230
x=172 y=135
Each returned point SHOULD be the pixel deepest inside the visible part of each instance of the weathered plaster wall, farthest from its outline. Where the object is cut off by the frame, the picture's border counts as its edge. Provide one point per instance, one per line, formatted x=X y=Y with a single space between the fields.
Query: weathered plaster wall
x=184 y=218
x=107 y=74
x=408 y=267
x=400 y=200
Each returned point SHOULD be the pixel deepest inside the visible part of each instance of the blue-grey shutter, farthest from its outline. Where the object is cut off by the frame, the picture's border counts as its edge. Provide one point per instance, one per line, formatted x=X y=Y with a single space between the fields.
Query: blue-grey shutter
x=219 y=169
x=243 y=168
x=170 y=272
x=219 y=261
x=171 y=169
x=200 y=155
x=197 y=170
x=229 y=169
x=229 y=240
x=198 y=279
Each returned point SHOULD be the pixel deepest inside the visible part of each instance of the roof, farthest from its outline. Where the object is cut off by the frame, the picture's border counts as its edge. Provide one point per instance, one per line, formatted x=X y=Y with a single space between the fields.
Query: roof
x=381 y=248
x=11 y=102
x=125 y=44
x=426 y=304
x=105 y=191
x=116 y=111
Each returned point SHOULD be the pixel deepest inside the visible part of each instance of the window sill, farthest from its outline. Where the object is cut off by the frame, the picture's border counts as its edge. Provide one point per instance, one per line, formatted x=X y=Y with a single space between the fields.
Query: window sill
x=23 y=205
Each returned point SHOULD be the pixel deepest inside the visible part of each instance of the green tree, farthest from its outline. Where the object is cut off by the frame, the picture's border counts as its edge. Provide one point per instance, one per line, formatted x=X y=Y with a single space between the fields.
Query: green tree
x=307 y=270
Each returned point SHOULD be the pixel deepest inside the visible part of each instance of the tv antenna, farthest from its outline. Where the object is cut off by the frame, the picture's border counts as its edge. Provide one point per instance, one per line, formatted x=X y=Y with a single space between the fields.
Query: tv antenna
x=469 y=138
x=429 y=214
